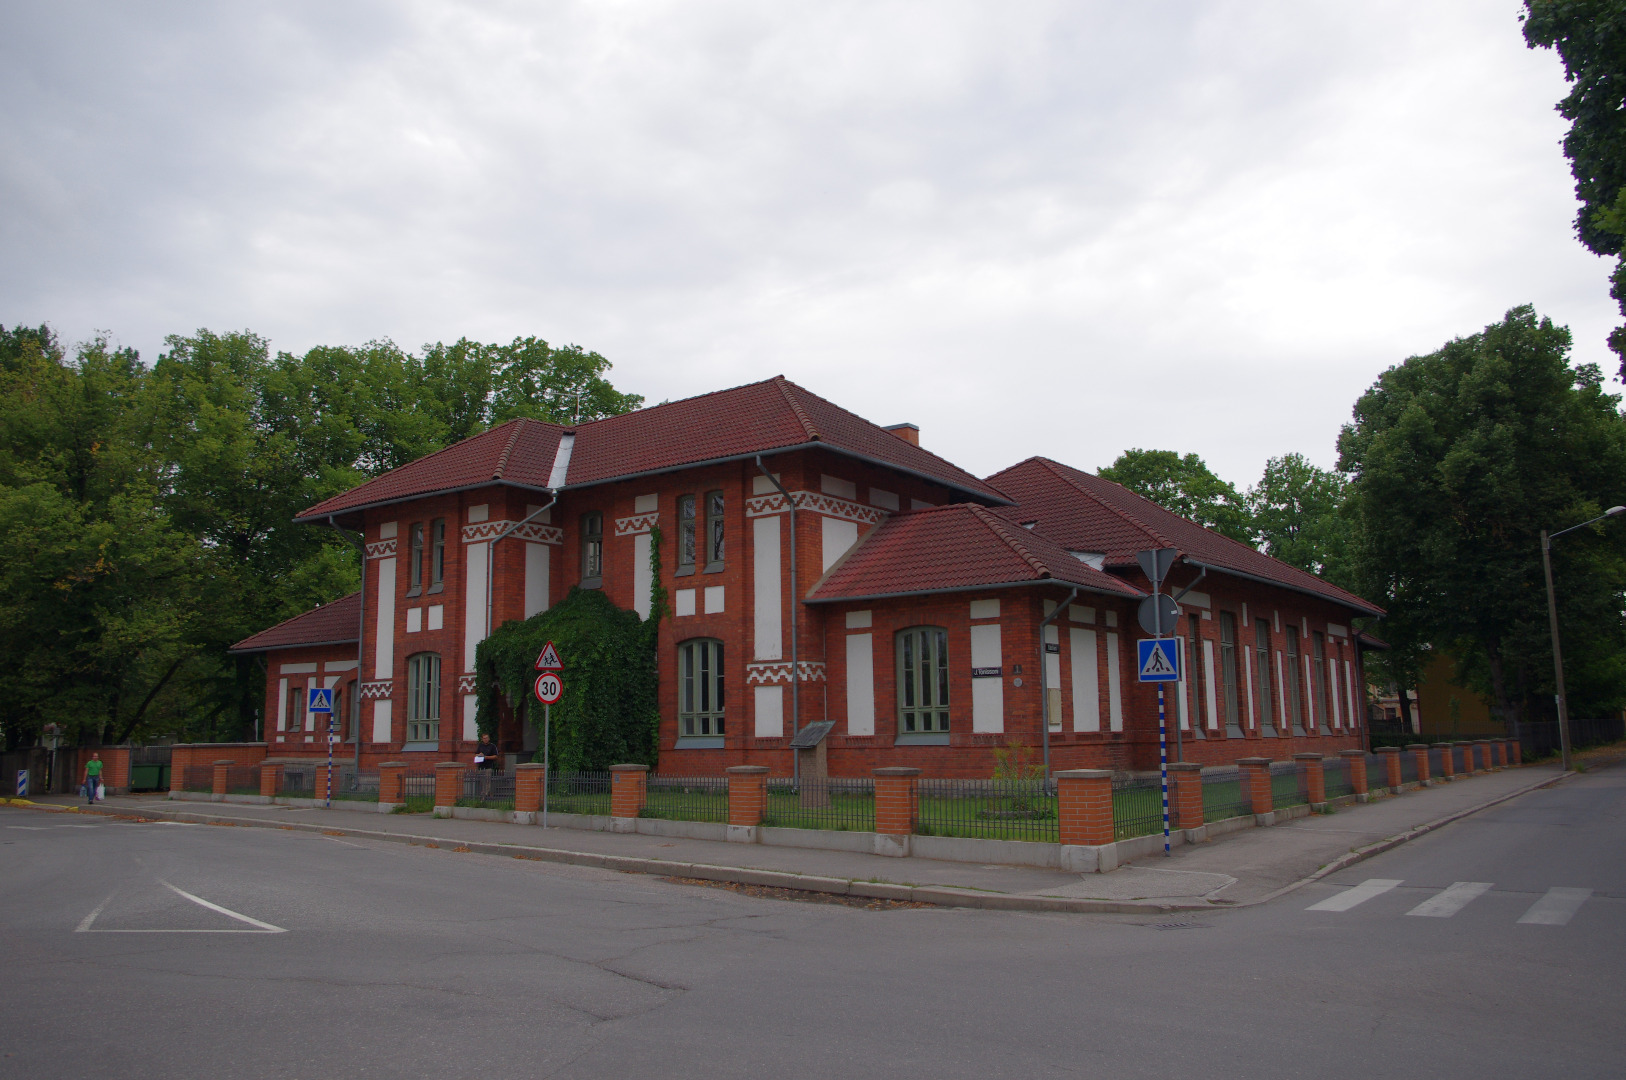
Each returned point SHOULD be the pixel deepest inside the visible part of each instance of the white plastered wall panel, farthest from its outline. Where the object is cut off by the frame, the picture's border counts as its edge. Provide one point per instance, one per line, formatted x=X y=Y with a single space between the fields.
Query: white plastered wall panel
x=642 y=578
x=474 y=602
x=770 y=712
x=1115 y=695
x=1182 y=688
x=1245 y=656
x=1349 y=690
x=282 y=705
x=1210 y=694
x=987 y=694
x=1086 y=680
x=1332 y=694
x=860 y=684
x=536 y=579
x=381 y=721
x=1281 y=695
x=767 y=626
x=471 y=706
x=1310 y=716
x=384 y=632
x=839 y=535
x=1052 y=674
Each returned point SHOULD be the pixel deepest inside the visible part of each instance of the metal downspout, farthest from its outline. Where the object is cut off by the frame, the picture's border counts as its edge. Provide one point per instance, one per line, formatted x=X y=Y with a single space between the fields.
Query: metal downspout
x=795 y=611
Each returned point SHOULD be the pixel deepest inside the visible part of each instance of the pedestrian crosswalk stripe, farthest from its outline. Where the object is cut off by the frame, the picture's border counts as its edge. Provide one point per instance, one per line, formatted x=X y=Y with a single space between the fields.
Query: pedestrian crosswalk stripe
x=1556 y=907
x=1447 y=902
x=1359 y=894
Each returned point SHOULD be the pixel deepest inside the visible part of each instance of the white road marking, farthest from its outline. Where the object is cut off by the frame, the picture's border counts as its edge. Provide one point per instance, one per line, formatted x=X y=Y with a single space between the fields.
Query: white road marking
x=28 y=828
x=1448 y=902
x=78 y=826
x=1358 y=894
x=267 y=927
x=84 y=924
x=1556 y=907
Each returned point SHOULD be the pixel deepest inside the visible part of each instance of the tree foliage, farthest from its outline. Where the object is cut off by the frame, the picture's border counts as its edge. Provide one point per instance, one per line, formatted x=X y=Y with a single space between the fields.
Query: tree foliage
x=1590 y=38
x=1186 y=486
x=608 y=714
x=1297 y=514
x=1459 y=459
x=148 y=512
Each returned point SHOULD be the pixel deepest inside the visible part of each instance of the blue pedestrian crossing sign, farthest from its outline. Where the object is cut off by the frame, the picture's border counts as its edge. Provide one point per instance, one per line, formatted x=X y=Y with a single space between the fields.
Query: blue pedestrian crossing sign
x=321 y=699
x=1159 y=659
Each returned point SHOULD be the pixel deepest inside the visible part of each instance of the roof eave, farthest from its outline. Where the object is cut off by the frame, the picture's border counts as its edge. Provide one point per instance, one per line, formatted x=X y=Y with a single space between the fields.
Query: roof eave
x=1058 y=582
x=238 y=648
x=1363 y=607
x=312 y=519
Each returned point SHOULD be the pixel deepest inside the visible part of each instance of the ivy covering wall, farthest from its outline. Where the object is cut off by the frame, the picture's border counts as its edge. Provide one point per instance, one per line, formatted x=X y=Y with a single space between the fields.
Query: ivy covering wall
x=608 y=714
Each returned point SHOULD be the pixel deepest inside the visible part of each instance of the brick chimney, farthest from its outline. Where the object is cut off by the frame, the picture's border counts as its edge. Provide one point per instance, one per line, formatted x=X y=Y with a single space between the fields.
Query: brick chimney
x=909 y=433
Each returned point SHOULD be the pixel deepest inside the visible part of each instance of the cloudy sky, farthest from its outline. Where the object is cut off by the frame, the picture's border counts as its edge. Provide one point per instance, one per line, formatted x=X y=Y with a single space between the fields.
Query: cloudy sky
x=1029 y=227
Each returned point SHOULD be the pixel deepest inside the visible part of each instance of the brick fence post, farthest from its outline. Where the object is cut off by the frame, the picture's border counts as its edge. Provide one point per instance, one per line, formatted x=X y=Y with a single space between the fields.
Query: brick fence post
x=897 y=793
x=1357 y=772
x=217 y=786
x=1256 y=779
x=747 y=799
x=1515 y=751
x=1391 y=767
x=629 y=785
x=448 y=786
x=528 y=778
x=270 y=773
x=116 y=770
x=1419 y=751
x=1448 y=766
x=179 y=758
x=1467 y=757
x=1084 y=820
x=1185 y=795
x=389 y=786
x=1315 y=779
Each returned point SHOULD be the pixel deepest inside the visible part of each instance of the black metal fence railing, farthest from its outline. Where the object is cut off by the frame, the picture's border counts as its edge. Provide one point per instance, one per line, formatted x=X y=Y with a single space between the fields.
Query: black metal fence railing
x=356 y=786
x=1539 y=738
x=242 y=779
x=418 y=788
x=1377 y=772
x=681 y=798
x=1436 y=760
x=298 y=783
x=198 y=778
x=832 y=803
x=579 y=793
x=1225 y=795
x=1137 y=806
x=487 y=789
x=995 y=809
x=1408 y=766
x=1336 y=776
x=1289 y=784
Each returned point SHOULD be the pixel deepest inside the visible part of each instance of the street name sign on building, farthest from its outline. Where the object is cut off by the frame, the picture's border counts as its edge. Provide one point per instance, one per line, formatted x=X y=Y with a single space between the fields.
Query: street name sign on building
x=548 y=659
x=548 y=687
x=1159 y=659
x=321 y=699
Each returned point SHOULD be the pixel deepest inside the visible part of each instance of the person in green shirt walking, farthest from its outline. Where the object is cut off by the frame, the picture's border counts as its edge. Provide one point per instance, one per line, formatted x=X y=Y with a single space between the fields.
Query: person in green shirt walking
x=93 y=778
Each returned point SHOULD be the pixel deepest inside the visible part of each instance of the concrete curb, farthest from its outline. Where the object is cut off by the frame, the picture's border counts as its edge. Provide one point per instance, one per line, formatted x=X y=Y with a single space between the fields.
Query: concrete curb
x=941 y=895
x=1361 y=854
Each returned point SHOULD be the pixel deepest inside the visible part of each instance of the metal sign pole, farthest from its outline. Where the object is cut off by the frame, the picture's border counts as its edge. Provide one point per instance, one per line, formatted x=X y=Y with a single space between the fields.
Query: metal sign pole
x=1163 y=751
x=547 y=731
x=330 y=761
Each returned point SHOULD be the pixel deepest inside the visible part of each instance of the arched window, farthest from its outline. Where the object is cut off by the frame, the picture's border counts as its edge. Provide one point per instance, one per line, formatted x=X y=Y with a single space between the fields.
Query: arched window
x=423 y=698
x=923 y=682
x=700 y=688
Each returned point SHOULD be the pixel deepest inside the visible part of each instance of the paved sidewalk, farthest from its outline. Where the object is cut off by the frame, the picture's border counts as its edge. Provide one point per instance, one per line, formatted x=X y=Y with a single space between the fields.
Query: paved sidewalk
x=1242 y=868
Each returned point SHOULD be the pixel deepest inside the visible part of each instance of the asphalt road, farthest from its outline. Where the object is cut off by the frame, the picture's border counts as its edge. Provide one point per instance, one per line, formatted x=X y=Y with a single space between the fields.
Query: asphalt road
x=1461 y=954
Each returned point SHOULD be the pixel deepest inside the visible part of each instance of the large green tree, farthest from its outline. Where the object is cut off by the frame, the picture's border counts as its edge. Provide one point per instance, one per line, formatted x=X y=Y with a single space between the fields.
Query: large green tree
x=1186 y=486
x=1459 y=459
x=1298 y=516
x=1590 y=38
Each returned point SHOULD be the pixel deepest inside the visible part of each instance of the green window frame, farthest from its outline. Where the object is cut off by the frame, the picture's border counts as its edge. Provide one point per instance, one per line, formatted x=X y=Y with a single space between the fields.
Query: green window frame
x=686 y=532
x=423 y=698
x=1229 y=673
x=923 y=680
x=700 y=689
x=1267 y=700
x=592 y=549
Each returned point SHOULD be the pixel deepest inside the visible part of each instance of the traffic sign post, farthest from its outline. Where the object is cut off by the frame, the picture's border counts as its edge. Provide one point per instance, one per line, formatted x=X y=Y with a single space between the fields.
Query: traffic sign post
x=321 y=701
x=1160 y=656
x=549 y=688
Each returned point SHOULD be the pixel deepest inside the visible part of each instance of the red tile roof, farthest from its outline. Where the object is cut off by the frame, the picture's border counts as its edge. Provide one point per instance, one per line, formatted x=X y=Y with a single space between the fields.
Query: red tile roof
x=951 y=549
x=330 y=624
x=762 y=417
x=519 y=452
x=1083 y=512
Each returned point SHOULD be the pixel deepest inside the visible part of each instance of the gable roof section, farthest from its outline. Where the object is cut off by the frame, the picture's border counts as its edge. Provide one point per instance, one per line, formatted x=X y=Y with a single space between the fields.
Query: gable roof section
x=952 y=549
x=763 y=417
x=1083 y=512
x=330 y=624
x=519 y=452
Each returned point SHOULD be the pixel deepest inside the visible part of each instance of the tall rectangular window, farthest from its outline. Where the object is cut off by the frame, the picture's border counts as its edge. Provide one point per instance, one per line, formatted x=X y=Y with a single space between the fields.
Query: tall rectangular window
x=714 y=530
x=592 y=549
x=423 y=698
x=1229 y=673
x=1261 y=653
x=1295 y=682
x=923 y=687
x=700 y=688
x=1318 y=676
x=296 y=707
x=415 y=581
x=686 y=532
x=437 y=554
x=1194 y=674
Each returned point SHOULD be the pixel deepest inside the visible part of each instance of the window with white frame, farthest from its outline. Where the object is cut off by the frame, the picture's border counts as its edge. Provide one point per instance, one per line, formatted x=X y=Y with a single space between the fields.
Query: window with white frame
x=423 y=698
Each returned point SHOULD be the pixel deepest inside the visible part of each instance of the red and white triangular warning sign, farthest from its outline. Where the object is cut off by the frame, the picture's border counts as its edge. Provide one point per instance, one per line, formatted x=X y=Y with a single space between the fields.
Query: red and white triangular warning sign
x=549 y=660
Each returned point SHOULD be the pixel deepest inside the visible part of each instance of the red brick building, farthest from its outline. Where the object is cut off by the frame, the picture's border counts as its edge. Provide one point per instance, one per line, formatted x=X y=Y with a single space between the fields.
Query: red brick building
x=819 y=567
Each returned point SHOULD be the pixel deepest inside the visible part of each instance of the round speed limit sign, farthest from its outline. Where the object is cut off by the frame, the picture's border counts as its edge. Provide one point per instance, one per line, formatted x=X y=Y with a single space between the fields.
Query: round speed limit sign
x=548 y=687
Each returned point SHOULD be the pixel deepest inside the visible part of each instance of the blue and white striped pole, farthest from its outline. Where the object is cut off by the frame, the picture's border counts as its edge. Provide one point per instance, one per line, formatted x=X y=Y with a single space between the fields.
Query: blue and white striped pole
x=1163 y=753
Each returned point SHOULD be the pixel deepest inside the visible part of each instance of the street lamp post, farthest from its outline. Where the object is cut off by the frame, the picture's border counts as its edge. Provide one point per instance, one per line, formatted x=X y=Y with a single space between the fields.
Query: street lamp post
x=1552 y=622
